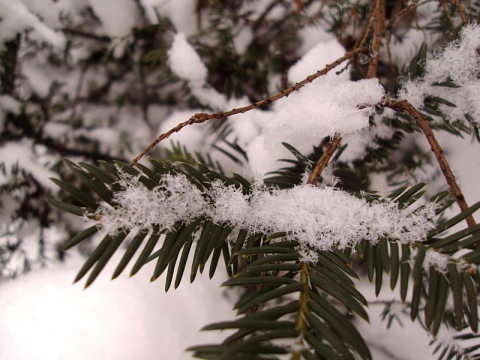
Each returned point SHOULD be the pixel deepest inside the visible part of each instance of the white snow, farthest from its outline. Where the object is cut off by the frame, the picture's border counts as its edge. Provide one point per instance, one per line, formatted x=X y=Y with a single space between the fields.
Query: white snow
x=173 y=200
x=45 y=317
x=313 y=216
x=21 y=156
x=185 y=62
x=16 y=18
x=459 y=62
x=317 y=58
x=323 y=108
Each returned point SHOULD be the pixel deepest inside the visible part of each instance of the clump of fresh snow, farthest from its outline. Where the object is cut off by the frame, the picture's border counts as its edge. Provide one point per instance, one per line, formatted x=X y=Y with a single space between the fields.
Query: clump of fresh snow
x=323 y=108
x=459 y=62
x=185 y=62
x=174 y=199
x=313 y=216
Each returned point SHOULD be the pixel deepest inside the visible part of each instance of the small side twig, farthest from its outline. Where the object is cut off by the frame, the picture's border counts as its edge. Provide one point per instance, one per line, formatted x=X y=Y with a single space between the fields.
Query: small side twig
x=324 y=159
x=448 y=14
x=404 y=105
x=461 y=11
x=203 y=117
x=377 y=38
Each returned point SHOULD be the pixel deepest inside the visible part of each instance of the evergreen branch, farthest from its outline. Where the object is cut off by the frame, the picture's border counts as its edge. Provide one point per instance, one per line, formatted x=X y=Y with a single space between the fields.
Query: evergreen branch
x=404 y=105
x=203 y=117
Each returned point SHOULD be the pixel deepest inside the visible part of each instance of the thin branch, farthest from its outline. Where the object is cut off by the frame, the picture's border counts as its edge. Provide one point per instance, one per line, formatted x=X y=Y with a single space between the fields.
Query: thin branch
x=324 y=159
x=448 y=14
x=461 y=11
x=404 y=12
x=86 y=35
x=378 y=28
x=199 y=118
x=377 y=39
x=404 y=105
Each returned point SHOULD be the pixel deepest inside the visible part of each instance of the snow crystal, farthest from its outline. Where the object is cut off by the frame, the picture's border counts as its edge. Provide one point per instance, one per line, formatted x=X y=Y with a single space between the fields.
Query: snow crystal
x=230 y=205
x=459 y=62
x=185 y=62
x=436 y=259
x=315 y=217
x=322 y=108
x=174 y=199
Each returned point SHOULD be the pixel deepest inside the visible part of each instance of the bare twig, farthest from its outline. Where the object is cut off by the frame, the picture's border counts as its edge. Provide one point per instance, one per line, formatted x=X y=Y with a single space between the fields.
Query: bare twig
x=324 y=159
x=377 y=38
x=351 y=14
x=203 y=117
x=404 y=105
x=378 y=27
x=461 y=11
x=86 y=35
x=404 y=12
x=448 y=14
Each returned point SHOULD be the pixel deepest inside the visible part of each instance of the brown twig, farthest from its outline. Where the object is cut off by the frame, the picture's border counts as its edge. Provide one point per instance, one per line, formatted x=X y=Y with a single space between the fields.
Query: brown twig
x=377 y=39
x=404 y=12
x=324 y=159
x=86 y=35
x=448 y=14
x=404 y=105
x=461 y=11
x=203 y=117
x=378 y=27
x=351 y=14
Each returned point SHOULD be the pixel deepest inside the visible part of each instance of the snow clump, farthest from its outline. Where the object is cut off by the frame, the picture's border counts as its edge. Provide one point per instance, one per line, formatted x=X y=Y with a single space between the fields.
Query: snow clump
x=318 y=218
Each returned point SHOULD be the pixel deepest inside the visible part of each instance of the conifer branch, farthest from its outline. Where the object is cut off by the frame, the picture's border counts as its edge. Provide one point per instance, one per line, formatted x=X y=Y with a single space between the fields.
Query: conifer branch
x=404 y=105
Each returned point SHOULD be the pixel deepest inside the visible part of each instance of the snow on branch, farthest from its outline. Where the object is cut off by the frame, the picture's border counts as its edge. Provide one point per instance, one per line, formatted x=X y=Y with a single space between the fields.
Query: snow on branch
x=458 y=63
x=318 y=218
